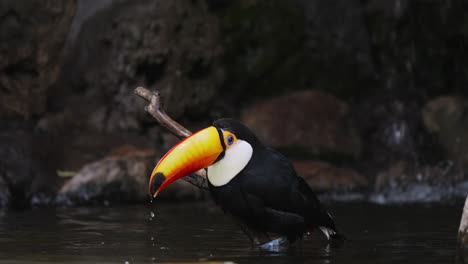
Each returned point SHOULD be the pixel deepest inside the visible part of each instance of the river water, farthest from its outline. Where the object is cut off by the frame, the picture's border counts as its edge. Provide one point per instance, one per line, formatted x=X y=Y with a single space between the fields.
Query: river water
x=200 y=232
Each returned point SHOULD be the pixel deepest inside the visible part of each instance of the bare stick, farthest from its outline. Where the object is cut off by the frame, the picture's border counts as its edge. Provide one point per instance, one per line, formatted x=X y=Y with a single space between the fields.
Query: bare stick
x=156 y=110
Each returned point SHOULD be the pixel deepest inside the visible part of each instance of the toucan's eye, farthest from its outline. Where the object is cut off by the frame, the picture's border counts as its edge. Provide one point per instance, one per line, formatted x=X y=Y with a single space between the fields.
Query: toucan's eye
x=230 y=140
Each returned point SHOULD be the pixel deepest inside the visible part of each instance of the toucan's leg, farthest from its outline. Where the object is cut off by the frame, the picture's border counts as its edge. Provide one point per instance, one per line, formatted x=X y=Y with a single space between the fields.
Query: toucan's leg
x=256 y=237
x=262 y=239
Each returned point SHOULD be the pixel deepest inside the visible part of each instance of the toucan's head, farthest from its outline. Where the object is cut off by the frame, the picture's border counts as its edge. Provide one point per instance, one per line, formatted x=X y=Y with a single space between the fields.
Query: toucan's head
x=224 y=149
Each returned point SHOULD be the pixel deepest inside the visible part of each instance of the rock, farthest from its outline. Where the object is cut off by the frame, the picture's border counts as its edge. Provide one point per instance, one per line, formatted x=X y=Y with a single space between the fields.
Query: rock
x=398 y=174
x=337 y=53
x=404 y=181
x=403 y=47
x=463 y=234
x=323 y=176
x=309 y=122
x=171 y=46
x=4 y=193
x=263 y=54
x=394 y=131
x=404 y=173
x=120 y=177
x=445 y=117
x=24 y=167
x=32 y=35
x=463 y=230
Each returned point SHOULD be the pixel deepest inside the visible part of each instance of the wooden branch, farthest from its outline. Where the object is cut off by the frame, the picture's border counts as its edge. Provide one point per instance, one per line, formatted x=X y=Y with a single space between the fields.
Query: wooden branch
x=156 y=110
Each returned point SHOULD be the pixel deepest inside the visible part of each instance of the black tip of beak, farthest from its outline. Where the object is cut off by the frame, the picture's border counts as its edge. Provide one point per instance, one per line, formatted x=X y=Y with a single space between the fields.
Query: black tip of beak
x=157 y=181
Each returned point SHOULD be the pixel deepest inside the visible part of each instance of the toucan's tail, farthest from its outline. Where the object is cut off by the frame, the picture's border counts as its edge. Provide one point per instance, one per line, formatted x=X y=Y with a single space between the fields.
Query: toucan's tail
x=332 y=233
x=318 y=216
x=328 y=228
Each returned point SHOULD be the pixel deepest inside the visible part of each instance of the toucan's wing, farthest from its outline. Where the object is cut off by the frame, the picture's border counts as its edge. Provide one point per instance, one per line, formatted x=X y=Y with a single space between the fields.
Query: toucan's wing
x=276 y=183
x=283 y=193
x=270 y=219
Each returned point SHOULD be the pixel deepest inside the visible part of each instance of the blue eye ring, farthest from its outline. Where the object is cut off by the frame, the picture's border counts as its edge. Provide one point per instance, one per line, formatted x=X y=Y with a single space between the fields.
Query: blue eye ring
x=230 y=140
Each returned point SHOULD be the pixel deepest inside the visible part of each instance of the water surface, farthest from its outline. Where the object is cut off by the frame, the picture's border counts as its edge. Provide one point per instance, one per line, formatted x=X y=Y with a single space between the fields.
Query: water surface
x=196 y=232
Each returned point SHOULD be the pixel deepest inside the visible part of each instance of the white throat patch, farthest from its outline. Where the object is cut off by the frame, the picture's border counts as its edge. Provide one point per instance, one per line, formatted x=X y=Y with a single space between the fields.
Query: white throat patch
x=235 y=159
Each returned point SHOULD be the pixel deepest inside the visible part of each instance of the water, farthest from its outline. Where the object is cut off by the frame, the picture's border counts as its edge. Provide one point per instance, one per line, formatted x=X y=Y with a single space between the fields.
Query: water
x=200 y=232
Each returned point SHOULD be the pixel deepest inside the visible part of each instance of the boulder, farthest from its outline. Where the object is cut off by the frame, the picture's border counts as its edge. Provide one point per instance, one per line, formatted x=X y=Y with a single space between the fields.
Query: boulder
x=323 y=176
x=463 y=234
x=337 y=50
x=402 y=173
x=310 y=122
x=4 y=193
x=32 y=36
x=171 y=46
x=25 y=174
x=263 y=54
x=404 y=181
x=394 y=132
x=120 y=177
x=445 y=117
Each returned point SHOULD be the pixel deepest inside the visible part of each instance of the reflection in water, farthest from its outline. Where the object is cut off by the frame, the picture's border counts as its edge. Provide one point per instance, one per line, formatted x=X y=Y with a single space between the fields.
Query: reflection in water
x=200 y=232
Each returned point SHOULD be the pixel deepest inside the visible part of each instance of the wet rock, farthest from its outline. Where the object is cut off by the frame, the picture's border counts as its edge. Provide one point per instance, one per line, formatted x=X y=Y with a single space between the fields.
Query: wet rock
x=259 y=55
x=403 y=181
x=403 y=48
x=404 y=173
x=323 y=176
x=120 y=177
x=32 y=36
x=445 y=117
x=394 y=132
x=310 y=122
x=171 y=46
x=24 y=167
x=396 y=175
x=4 y=193
x=463 y=234
x=346 y=47
x=337 y=53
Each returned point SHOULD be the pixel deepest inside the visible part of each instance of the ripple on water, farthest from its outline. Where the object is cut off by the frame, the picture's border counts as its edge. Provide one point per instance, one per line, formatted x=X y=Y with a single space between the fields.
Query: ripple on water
x=194 y=232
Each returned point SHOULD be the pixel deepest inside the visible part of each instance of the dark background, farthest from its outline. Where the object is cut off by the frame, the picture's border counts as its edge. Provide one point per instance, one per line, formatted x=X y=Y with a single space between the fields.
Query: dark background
x=367 y=97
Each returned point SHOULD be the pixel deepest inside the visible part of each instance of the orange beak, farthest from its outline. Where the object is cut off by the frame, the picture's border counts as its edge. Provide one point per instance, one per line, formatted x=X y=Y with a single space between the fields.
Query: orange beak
x=196 y=152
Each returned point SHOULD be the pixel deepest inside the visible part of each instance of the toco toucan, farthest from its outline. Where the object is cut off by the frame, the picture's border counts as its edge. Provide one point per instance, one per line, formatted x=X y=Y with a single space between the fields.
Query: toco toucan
x=249 y=180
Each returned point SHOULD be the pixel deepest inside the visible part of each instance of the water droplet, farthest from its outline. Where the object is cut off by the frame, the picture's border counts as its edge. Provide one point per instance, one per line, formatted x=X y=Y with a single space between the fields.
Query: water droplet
x=151 y=216
x=152 y=238
x=127 y=262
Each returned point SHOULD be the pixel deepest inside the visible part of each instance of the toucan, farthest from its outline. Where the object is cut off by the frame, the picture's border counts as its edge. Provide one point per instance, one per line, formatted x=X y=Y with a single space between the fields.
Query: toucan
x=254 y=183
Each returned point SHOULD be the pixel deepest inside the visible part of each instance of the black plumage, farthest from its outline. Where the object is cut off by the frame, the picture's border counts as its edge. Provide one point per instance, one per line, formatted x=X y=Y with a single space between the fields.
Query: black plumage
x=268 y=195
